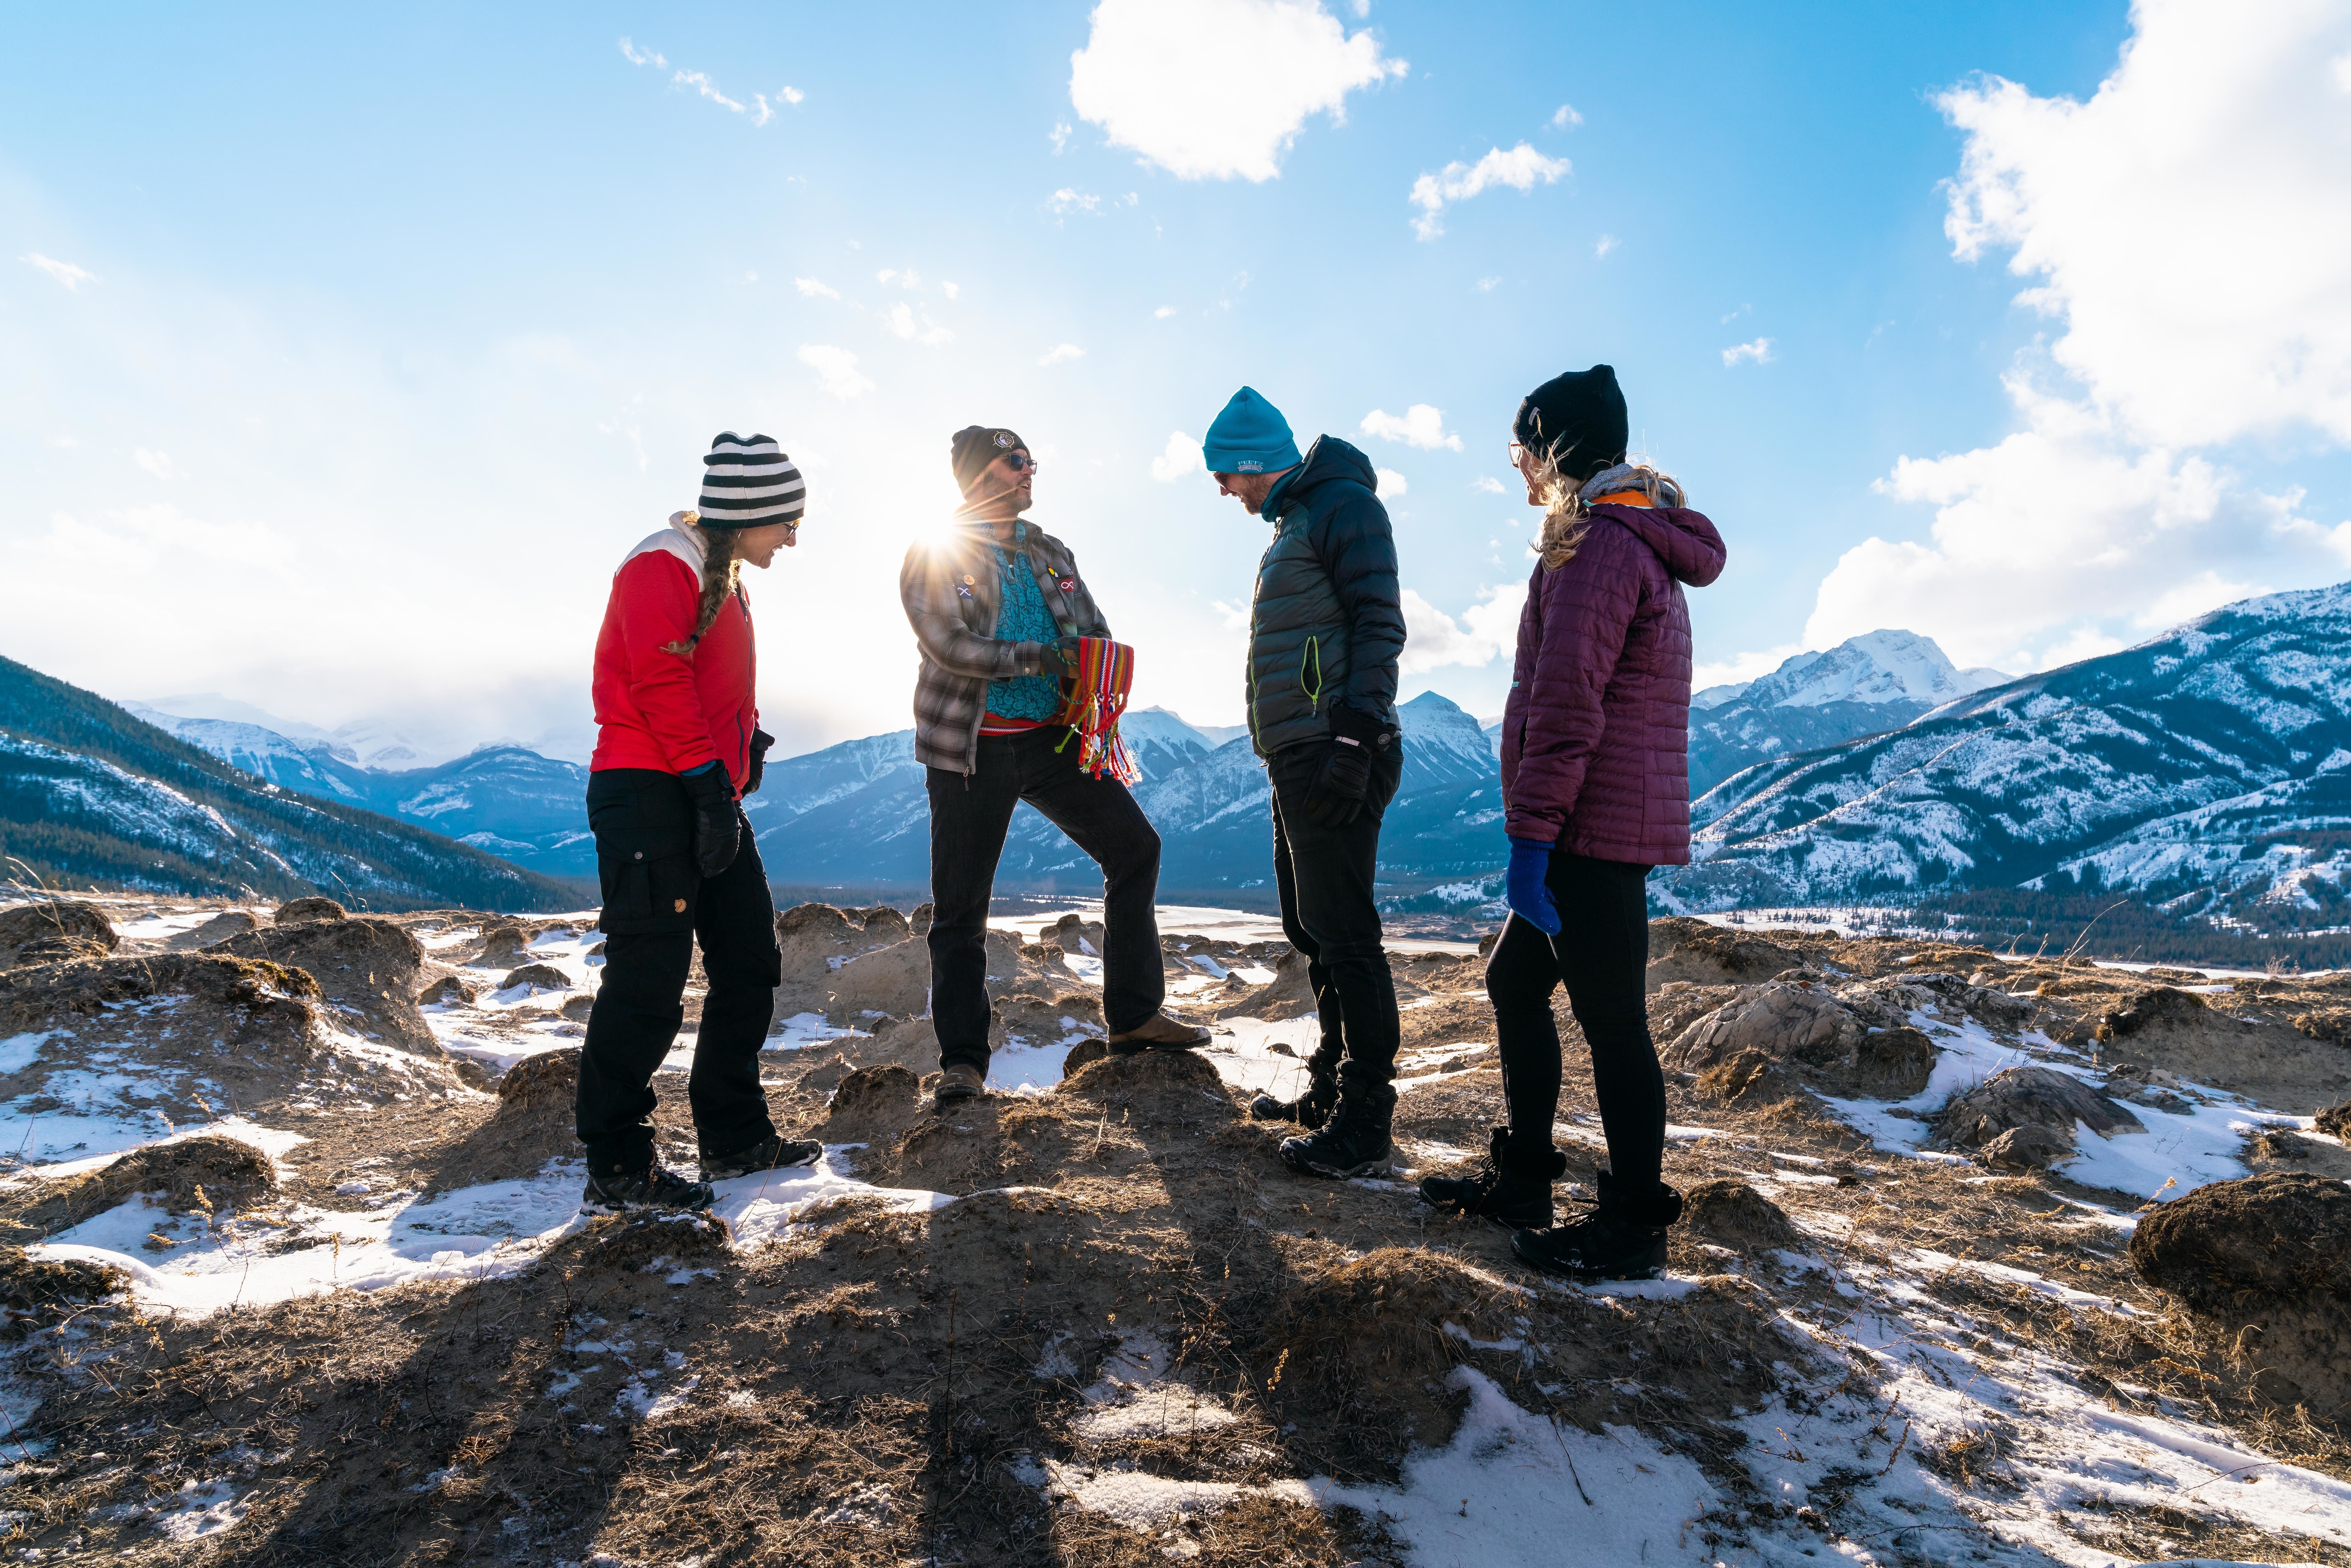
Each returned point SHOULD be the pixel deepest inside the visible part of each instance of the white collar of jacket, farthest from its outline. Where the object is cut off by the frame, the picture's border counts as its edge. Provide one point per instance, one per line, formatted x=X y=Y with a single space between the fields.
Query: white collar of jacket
x=680 y=539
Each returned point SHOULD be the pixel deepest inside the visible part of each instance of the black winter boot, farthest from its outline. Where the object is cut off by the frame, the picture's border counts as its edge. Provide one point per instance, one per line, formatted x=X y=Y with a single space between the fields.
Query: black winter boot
x=1624 y=1238
x=1354 y=1141
x=1511 y=1186
x=1309 y=1110
x=618 y=1192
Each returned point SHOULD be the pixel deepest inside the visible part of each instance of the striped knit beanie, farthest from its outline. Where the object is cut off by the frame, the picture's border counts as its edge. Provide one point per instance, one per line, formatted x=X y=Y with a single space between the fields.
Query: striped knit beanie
x=748 y=483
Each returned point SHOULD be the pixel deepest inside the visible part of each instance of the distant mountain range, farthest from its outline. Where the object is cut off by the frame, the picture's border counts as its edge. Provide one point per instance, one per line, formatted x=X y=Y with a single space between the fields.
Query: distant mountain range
x=91 y=793
x=2207 y=772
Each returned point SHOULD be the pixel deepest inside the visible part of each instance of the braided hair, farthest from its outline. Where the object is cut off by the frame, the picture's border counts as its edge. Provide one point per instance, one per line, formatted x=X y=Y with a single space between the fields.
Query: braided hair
x=721 y=572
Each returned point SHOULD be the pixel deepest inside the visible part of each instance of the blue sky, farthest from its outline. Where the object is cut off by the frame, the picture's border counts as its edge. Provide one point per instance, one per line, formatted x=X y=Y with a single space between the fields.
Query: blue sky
x=352 y=351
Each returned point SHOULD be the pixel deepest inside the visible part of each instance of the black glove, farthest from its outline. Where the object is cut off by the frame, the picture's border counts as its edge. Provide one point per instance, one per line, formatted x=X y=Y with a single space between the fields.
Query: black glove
x=714 y=818
x=1060 y=659
x=760 y=741
x=1336 y=795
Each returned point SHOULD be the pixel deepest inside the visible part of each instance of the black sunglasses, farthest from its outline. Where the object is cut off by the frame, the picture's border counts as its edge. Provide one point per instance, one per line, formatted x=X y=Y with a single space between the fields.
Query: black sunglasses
x=1020 y=462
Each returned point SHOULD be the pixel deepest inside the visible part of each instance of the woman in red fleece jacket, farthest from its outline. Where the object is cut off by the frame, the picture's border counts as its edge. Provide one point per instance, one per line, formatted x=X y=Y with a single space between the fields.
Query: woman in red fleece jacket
x=677 y=738
x=1596 y=793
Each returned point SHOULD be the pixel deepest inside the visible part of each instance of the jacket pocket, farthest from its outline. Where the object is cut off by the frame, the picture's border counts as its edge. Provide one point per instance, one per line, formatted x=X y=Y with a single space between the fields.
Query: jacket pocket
x=1310 y=674
x=648 y=879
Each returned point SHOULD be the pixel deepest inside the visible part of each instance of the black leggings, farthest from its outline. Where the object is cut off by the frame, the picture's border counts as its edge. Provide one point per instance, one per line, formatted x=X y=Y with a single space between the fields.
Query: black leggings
x=1602 y=954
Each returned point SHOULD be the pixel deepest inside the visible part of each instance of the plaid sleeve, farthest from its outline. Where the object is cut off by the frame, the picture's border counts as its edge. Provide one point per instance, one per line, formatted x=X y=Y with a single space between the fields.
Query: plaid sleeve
x=926 y=587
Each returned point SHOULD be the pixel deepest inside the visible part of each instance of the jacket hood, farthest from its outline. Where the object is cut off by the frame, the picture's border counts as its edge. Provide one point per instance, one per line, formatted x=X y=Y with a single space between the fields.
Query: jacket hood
x=1684 y=540
x=1329 y=458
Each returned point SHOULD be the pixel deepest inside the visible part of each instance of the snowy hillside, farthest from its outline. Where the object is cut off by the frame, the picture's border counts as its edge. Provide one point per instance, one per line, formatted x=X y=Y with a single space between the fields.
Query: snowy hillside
x=1865 y=685
x=2206 y=755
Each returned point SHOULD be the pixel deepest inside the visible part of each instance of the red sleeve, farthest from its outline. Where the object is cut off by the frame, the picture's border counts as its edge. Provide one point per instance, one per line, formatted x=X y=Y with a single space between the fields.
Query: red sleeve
x=1588 y=607
x=656 y=594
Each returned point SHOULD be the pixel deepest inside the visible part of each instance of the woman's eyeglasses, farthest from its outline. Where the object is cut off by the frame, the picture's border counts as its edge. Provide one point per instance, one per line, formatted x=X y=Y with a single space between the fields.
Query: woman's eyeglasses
x=1518 y=454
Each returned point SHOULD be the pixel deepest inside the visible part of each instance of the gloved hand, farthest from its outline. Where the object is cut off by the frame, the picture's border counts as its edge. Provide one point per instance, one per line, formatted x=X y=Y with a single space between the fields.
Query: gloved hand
x=760 y=741
x=1061 y=659
x=1523 y=886
x=1337 y=797
x=715 y=817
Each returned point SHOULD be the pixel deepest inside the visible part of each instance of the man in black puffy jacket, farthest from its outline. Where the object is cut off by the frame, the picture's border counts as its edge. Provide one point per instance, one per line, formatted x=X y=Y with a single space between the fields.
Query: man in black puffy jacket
x=1326 y=627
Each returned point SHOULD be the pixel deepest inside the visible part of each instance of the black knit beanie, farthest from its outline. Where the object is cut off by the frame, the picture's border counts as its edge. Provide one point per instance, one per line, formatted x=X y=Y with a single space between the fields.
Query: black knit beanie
x=975 y=447
x=1577 y=416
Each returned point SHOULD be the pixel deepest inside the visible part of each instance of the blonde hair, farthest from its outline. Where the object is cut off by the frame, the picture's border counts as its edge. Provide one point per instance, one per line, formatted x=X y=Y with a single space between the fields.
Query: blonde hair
x=720 y=572
x=1565 y=513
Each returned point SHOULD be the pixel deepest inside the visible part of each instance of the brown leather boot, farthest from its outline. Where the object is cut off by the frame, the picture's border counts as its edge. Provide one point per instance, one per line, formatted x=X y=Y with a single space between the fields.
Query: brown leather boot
x=1158 y=1032
x=958 y=1082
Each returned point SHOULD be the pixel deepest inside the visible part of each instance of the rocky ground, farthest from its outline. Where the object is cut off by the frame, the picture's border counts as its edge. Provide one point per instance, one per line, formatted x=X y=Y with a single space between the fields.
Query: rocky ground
x=1985 y=1261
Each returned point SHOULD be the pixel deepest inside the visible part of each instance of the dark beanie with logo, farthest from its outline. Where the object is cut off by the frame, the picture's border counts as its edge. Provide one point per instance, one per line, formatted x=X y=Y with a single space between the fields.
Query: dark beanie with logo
x=1578 y=417
x=975 y=447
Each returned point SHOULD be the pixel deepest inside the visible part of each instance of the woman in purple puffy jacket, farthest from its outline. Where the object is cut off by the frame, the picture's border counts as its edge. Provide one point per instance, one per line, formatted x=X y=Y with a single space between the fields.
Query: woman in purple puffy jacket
x=1596 y=793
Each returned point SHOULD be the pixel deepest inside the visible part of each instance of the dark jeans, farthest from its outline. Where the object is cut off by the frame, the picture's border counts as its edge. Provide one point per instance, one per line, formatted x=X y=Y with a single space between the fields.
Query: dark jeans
x=1324 y=876
x=970 y=817
x=656 y=904
x=1602 y=954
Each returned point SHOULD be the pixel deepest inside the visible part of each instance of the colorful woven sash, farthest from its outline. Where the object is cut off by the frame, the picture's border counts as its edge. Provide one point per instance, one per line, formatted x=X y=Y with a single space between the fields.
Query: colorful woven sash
x=1095 y=697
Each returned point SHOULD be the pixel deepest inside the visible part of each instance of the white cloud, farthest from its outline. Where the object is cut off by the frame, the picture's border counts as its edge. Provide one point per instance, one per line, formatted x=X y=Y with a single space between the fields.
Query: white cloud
x=1566 y=118
x=792 y=95
x=812 y=289
x=159 y=463
x=1066 y=200
x=65 y=272
x=2189 y=332
x=836 y=370
x=700 y=83
x=1392 y=483
x=952 y=290
x=1521 y=169
x=2099 y=518
x=636 y=57
x=1182 y=456
x=1419 y=425
x=1493 y=486
x=1604 y=244
x=1059 y=136
x=1219 y=90
x=1760 y=351
x=1164 y=312
x=1487 y=285
x=1489 y=627
x=1061 y=354
x=1742 y=667
x=914 y=326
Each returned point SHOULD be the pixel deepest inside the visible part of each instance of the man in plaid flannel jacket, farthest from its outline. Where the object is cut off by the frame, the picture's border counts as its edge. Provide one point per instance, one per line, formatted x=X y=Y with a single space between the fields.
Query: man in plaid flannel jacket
x=998 y=607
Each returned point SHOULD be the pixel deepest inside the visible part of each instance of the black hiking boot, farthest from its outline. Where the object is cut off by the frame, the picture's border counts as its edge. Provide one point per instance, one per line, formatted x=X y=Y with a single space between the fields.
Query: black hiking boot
x=622 y=1191
x=774 y=1152
x=1309 y=1110
x=1354 y=1142
x=1624 y=1238
x=1510 y=1187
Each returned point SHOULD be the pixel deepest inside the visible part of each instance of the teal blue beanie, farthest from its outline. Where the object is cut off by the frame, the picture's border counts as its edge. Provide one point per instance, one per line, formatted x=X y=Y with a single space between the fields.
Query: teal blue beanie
x=1249 y=438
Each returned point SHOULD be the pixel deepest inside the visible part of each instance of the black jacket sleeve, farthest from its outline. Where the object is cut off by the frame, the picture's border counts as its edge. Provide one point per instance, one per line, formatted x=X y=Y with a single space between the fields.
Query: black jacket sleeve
x=1357 y=549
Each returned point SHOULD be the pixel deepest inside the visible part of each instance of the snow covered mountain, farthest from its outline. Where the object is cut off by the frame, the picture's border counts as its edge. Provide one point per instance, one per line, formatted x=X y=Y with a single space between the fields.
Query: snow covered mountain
x=89 y=792
x=1865 y=685
x=2205 y=768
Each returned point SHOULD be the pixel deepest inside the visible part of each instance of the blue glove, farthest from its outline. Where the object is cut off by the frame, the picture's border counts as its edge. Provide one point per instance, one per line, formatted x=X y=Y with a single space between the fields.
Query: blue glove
x=1523 y=886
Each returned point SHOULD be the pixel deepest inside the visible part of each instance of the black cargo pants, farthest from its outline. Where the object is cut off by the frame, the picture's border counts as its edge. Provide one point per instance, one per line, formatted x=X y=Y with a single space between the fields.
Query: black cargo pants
x=657 y=903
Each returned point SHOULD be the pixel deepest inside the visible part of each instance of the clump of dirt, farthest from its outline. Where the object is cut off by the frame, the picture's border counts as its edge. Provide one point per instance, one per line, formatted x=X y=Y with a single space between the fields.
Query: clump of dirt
x=228 y=923
x=274 y=1005
x=634 y=1242
x=295 y=911
x=1751 y=1079
x=873 y=1105
x=2027 y=1148
x=2027 y=1096
x=503 y=946
x=1356 y=1352
x=1733 y=1214
x=1039 y=1018
x=1817 y=1036
x=539 y=1087
x=38 y=1292
x=449 y=989
x=2270 y=1258
x=1699 y=954
x=1284 y=998
x=207 y=1174
x=2336 y=1121
x=1162 y=1085
x=367 y=968
x=892 y=981
x=54 y=929
x=1085 y=1053
x=2162 y=1005
x=533 y=1124
x=541 y=977
x=815 y=939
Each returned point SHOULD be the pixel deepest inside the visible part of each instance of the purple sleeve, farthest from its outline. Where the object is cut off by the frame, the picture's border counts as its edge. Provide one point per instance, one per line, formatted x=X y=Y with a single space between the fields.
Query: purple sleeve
x=1587 y=610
